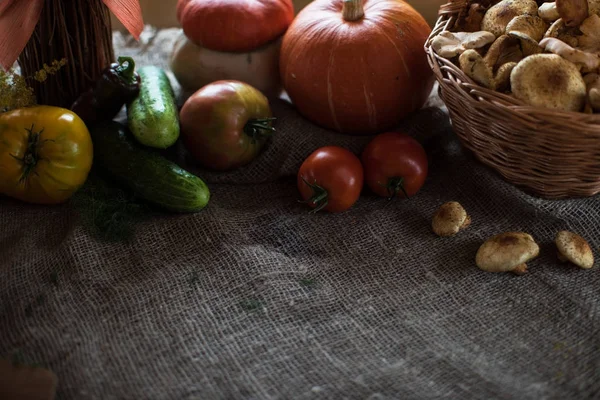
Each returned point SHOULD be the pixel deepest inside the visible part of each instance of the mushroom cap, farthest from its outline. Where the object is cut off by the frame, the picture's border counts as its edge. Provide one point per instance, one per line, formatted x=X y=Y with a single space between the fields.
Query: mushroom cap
x=575 y=249
x=506 y=251
x=502 y=78
x=573 y=12
x=449 y=219
x=549 y=81
x=499 y=16
x=505 y=49
x=548 y=12
x=560 y=31
x=585 y=61
x=450 y=44
x=530 y=26
x=529 y=29
x=594 y=6
x=471 y=20
x=474 y=66
x=589 y=41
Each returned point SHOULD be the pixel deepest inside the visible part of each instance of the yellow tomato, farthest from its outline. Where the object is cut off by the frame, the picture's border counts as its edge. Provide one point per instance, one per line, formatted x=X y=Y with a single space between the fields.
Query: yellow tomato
x=46 y=154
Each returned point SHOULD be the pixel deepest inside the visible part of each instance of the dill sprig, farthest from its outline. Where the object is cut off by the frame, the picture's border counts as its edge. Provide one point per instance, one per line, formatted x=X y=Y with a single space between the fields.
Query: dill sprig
x=107 y=211
x=15 y=92
x=51 y=69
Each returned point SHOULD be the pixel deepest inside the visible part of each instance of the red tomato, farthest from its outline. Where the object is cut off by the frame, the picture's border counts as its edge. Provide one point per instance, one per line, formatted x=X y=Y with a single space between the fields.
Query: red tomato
x=395 y=164
x=331 y=179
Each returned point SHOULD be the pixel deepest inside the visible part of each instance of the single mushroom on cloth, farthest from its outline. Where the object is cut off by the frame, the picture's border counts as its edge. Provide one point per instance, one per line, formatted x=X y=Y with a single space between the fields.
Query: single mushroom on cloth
x=574 y=249
x=529 y=30
x=549 y=81
x=450 y=219
x=507 y=252
x=499 y=16
x=451 y=44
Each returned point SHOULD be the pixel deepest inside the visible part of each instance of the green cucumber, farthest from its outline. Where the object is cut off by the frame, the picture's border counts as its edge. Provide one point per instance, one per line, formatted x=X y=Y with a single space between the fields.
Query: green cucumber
x=153 y=117
x=146 y=173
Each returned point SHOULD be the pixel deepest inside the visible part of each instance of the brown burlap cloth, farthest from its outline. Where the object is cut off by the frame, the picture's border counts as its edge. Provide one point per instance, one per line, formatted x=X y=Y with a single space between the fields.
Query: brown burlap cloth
x=253 y=298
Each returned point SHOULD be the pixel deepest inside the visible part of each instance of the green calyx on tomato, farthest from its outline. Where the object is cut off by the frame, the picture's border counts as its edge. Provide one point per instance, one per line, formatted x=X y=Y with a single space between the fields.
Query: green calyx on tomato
x=319 y=199
x=394 y=186
x=259 y=127
x=31 y=156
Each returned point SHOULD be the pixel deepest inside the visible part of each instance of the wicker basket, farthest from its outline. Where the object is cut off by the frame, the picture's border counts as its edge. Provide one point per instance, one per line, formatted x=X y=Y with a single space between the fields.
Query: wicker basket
x=548 y=153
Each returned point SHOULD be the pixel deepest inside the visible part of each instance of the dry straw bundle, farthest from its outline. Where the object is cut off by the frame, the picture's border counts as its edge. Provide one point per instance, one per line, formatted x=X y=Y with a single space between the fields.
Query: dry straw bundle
x=548 y=152
x=40 y=33
x=81 y=32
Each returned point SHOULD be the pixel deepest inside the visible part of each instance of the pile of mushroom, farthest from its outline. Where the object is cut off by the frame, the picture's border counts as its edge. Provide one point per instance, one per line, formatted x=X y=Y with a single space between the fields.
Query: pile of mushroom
x=547 y=54
x=510 y=251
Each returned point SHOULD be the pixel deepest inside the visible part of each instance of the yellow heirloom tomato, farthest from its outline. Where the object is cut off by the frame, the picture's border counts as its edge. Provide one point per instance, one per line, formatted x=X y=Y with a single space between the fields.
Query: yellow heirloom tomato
x=46 y=154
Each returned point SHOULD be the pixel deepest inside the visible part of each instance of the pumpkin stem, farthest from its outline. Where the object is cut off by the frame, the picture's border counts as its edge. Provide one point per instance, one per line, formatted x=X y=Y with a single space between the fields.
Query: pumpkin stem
x=353 y=10
x=259 y=127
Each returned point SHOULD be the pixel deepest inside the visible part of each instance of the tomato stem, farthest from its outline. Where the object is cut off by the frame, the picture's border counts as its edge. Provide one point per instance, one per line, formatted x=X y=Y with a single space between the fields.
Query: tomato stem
x=259 y=127
x=320 y=197
x=394 y=186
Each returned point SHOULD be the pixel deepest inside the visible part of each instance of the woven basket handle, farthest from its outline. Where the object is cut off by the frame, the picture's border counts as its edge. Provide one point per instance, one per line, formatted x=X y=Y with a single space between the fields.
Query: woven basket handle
x=453 y=7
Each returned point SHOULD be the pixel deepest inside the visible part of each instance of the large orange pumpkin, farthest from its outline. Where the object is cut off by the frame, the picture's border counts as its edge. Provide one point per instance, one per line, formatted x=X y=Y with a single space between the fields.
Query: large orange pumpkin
x=234 y=25
x=356 y=66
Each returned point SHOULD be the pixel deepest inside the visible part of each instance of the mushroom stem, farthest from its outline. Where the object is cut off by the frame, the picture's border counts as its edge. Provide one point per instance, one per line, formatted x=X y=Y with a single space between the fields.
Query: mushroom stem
x=520 y=269
x=583 y=60
x=592 y=82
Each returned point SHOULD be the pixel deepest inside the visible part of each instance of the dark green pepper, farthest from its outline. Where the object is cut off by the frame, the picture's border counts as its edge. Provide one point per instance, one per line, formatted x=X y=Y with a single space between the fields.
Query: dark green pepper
x=117 y=85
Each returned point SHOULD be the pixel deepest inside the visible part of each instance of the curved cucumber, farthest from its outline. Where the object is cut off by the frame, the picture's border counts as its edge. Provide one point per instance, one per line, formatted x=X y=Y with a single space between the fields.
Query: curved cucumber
x=153 y=117
x=149 y=175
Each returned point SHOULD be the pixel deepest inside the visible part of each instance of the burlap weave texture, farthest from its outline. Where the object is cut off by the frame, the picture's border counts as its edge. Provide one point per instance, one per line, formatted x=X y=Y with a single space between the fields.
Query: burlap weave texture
x=255 y=299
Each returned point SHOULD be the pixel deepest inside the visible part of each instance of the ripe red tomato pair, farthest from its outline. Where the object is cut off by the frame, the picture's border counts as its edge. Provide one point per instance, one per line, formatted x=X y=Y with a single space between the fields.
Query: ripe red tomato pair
x=392 y=165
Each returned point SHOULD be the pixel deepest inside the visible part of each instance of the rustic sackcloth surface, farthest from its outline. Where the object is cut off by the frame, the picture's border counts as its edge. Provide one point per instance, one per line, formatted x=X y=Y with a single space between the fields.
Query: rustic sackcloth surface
x=253 y=298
